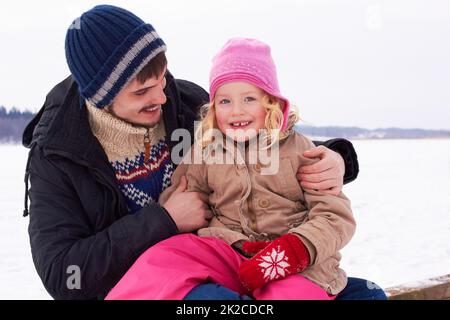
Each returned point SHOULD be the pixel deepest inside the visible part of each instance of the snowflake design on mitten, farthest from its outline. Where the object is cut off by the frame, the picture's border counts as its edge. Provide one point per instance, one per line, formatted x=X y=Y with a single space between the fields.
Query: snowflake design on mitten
x=274 y=264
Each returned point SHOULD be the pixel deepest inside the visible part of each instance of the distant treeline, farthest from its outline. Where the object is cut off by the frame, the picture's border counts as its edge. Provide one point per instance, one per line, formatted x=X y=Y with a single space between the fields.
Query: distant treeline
x=361 y=133
x=12 y=124
x=14 y=121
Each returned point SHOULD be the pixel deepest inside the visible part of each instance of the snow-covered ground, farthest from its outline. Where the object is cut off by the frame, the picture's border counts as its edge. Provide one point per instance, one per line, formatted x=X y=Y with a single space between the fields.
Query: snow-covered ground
x=18 y=278
x=401 y=201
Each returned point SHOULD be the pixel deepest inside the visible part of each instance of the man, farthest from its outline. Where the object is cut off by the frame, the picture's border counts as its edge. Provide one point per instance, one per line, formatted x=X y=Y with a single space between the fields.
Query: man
x=100 y=157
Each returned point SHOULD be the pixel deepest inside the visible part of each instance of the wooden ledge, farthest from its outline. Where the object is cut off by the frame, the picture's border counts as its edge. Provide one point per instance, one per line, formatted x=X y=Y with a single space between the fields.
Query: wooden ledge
x=432 y=289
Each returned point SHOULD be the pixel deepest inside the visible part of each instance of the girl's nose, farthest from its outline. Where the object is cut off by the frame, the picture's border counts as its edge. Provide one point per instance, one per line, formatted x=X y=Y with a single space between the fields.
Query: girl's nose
x=237 y=109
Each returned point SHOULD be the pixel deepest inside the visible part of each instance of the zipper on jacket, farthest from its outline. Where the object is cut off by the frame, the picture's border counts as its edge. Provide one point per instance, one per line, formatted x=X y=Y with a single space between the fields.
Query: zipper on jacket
x=147 y=146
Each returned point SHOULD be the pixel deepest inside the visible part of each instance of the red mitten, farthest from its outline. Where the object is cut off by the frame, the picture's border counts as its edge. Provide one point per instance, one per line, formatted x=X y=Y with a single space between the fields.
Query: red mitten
x=254 y=247
x=282 y=257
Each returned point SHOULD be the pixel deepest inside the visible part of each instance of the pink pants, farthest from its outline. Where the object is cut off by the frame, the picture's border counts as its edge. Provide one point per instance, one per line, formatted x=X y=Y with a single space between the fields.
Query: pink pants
x=172 y=268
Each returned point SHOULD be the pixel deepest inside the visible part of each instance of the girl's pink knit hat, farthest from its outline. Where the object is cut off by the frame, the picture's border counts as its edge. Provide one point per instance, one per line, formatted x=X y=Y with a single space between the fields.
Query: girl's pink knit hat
x=248 y=60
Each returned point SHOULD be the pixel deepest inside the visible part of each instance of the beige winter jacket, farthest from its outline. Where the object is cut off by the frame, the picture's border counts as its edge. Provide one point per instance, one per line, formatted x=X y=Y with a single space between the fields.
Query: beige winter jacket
x=251 y=206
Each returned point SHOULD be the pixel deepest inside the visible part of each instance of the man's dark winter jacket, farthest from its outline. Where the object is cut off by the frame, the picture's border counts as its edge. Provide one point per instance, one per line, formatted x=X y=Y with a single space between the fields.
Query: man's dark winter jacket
x=78 y=217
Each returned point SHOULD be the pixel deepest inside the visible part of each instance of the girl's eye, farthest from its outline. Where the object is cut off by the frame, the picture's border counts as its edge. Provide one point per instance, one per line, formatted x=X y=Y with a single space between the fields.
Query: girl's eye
x=224 y=101
x=249 y=99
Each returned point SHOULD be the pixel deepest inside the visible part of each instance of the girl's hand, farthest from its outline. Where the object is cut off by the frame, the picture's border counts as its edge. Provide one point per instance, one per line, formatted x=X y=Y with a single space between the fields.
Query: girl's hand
x=282 y=257
x=249 y=248
x=326 y=175
x=252 y=248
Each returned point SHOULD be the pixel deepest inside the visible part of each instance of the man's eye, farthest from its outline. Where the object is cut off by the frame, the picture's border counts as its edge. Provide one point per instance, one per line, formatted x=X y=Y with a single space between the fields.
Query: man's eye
x=140 y=93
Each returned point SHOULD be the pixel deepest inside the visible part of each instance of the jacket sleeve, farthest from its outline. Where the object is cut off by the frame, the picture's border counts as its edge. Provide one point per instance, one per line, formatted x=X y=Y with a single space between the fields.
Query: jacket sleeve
x=329 y=227
x=329 y=224
x=198 y=181
x=64 y=240
x=347 y=151
x=196 y=175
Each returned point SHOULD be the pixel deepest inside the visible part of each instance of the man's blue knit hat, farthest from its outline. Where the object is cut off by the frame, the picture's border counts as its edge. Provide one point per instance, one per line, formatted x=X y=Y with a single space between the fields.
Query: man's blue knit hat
x=106 y=48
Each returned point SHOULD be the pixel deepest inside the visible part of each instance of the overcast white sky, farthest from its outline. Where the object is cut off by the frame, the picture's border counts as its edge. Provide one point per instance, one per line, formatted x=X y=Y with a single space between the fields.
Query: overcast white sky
x=368 y=63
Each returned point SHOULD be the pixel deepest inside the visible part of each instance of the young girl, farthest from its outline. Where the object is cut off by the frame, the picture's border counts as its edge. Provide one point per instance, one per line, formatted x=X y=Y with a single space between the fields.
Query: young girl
x=269 y=238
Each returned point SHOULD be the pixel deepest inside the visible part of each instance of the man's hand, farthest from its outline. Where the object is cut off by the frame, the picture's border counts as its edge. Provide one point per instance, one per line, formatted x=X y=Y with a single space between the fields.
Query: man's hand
x=189 y=210
x=326 y=175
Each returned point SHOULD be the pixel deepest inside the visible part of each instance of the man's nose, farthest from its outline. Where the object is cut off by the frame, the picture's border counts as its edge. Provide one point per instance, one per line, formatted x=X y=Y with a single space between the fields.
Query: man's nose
x=159 y=98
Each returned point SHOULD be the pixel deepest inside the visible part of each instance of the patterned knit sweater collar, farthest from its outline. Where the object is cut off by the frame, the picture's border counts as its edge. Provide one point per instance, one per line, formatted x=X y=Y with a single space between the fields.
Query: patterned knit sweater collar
x=120 y=139
x=139 y=156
